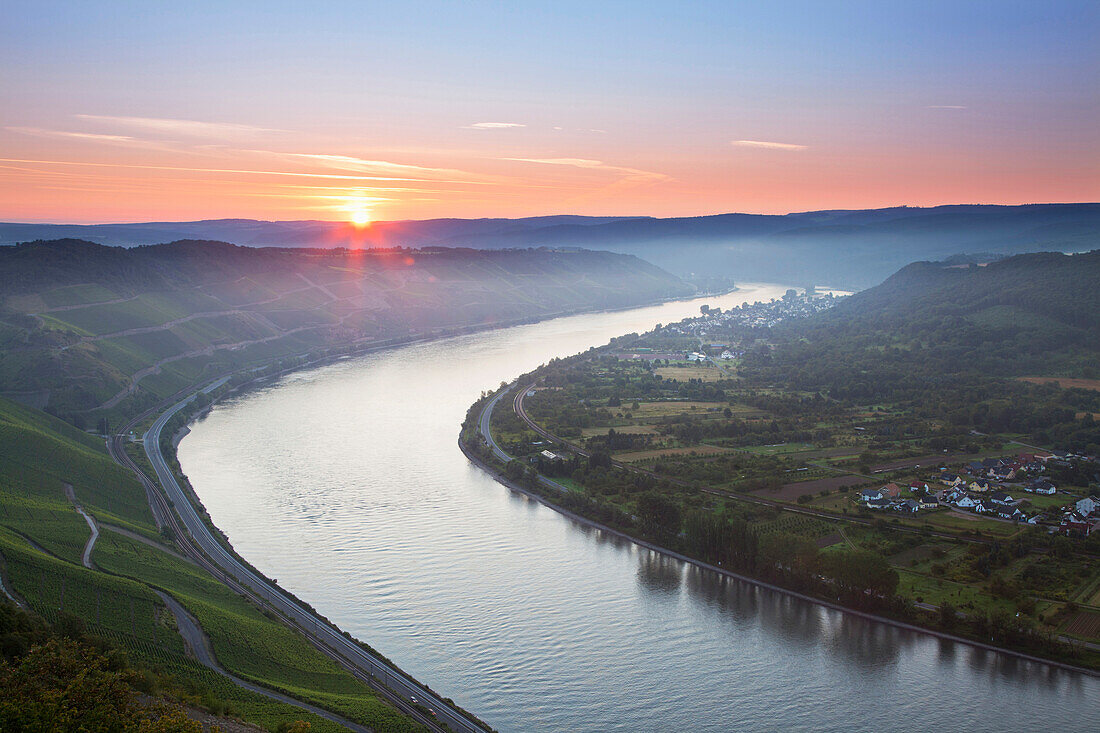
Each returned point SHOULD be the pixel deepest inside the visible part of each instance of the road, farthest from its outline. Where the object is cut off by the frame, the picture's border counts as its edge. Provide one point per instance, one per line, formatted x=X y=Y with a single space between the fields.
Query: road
x=500 y=453
x=199 y=645
x=369 y=667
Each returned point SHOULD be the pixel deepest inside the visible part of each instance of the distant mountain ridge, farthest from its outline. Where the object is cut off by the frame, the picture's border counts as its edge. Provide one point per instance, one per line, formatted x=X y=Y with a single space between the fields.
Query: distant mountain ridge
x=842 y=248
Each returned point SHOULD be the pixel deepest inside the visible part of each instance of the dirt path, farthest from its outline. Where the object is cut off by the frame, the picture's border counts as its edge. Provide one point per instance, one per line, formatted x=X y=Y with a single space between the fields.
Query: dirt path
x=90 y=544
x=198 y=646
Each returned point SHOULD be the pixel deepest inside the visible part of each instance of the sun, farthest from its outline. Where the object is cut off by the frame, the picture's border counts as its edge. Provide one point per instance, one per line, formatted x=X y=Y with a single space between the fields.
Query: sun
x=359 y=217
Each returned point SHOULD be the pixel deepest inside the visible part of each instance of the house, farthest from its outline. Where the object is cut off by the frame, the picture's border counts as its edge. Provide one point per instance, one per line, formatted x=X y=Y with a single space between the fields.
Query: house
x=985 y=507
x=1040 y=486
x=952 y=479
x=1088 y=505
x=1004 y=473
x=980 y=485
x=975 y=468
x=909 y=506
x=1000 y=497
x=928 y=501
x=966 y=502
x=891 y=490
x=551 y=456
x=1075 y=523
x=879 y=503
x=868 y=495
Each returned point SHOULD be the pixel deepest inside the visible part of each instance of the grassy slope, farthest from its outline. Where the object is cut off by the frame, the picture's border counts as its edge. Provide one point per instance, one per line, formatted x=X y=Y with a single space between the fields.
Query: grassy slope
x=38 y=454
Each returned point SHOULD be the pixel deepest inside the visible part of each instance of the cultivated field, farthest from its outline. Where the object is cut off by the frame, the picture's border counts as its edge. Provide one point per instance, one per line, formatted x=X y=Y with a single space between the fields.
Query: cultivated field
x=643 y=455
x=1084 y=623
x=791 y=492
x=1065 y=383
x=683 y=374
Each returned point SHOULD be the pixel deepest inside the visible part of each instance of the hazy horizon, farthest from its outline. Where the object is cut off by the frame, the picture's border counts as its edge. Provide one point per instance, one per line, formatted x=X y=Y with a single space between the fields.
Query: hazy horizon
x=343 y=220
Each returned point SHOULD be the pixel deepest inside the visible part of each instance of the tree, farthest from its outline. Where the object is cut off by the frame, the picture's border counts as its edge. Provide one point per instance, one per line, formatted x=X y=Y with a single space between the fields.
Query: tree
x=514 y=470
x=658 y=514
x=857 y=573
x=67 y=685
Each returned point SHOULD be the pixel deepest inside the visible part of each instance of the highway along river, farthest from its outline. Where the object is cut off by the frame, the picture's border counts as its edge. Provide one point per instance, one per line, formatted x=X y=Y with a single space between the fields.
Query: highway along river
x=346 y=483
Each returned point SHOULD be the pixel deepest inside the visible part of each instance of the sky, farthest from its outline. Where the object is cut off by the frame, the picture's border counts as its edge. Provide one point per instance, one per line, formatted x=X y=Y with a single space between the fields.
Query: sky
x=149 y=111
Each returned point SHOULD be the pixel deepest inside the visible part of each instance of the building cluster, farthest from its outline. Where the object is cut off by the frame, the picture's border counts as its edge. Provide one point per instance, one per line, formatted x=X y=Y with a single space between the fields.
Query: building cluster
x=983 y=488
x=755 y=315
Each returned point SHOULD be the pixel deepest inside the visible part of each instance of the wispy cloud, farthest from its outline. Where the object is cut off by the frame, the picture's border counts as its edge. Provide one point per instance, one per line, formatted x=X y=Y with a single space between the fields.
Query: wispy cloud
x=767 y=145
x=93 y=136
x=382 y=167
x=493 y=126
x=946 y=106
x=242 y=171
x=629 y=175
x=188 y=128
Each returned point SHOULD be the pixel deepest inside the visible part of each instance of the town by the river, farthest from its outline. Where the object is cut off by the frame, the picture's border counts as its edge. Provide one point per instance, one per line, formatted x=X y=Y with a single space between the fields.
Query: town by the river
x=346 y=483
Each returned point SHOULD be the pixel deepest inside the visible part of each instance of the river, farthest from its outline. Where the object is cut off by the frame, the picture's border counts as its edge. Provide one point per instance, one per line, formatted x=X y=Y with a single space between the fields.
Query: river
x=346 y=483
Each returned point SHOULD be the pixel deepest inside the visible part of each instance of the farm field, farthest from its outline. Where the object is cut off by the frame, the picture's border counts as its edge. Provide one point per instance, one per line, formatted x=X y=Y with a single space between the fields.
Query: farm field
x=1065 y=382
x=675 y=407
x=1084 y=624
x=645 y=455
x=791 y=491
x=685 y=373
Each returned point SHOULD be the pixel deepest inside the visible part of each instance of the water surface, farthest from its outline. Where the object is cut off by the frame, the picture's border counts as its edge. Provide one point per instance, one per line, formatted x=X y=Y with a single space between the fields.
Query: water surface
x=345 y=482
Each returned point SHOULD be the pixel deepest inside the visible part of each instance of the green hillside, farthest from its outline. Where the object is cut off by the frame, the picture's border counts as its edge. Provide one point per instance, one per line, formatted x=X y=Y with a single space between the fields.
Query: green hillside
x=953 y=340
x=88 y=331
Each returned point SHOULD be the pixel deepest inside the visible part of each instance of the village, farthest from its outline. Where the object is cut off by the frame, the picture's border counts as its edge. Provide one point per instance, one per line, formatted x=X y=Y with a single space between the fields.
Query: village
x=982 y=487
x=730 y=331
x=715 y=321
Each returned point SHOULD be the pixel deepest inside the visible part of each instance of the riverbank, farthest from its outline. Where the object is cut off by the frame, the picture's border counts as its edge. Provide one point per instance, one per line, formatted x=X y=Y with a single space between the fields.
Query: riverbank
x=500 y=478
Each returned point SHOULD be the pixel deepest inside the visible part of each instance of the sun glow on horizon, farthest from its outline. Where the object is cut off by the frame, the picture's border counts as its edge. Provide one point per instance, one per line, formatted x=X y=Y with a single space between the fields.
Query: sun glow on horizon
x=358 y=209
x=360 y=217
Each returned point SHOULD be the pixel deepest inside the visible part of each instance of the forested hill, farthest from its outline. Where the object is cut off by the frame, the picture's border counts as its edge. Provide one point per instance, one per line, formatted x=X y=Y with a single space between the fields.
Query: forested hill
x=936 y=324
x=85 y=326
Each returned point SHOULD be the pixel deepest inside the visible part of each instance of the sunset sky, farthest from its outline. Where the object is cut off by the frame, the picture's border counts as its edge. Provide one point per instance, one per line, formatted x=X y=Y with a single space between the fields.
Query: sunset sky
x=137 y=111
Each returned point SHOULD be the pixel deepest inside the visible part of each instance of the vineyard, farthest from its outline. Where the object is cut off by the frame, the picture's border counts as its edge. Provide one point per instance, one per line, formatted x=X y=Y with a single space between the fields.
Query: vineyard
x=126 y=610
x=40 y=454
x=244 y=640
x=796 y=524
